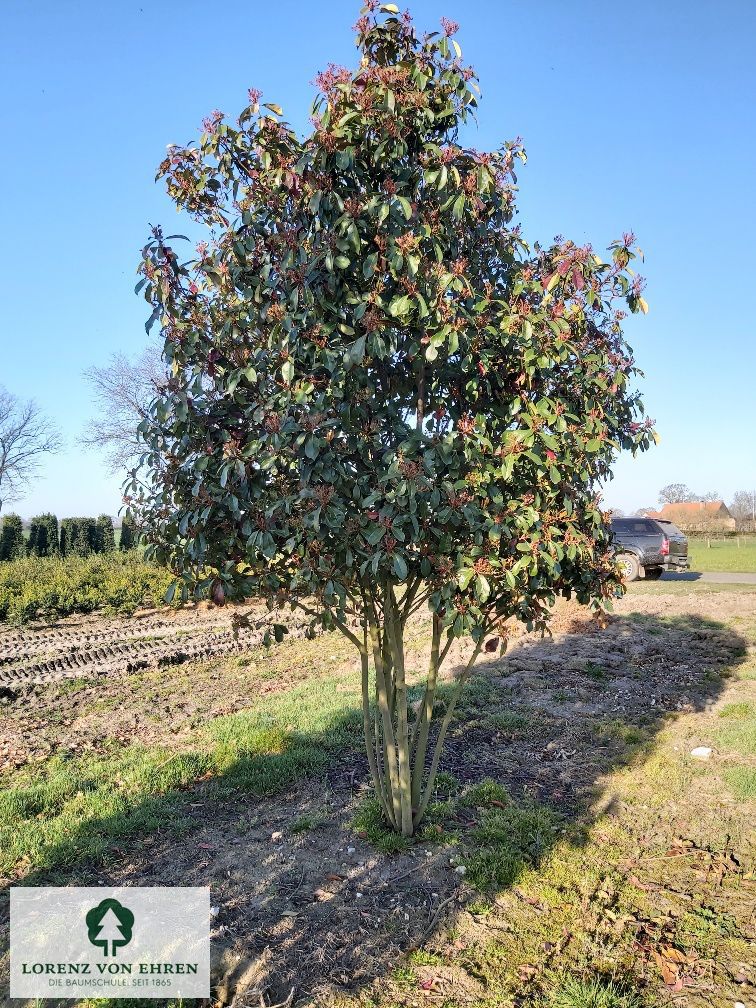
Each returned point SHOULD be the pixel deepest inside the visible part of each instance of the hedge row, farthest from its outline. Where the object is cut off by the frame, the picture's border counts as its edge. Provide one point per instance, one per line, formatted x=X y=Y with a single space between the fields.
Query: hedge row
x=76 y=537
x=49 y=587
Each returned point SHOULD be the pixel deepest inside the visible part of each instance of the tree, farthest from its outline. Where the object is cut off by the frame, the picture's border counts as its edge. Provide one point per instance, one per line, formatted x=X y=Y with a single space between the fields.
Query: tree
x=12 y=542
x=65 y=535
x=26 y=436
x=381 y=399
x=105 y=535
x=43 y=536
x=123 y=390
x=675 y=493
x=78 y=536
x=743 y=508
x=128 y=535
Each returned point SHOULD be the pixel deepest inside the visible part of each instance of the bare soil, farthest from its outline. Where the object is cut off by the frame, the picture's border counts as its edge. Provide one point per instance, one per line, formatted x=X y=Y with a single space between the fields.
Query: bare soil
x=58 y=681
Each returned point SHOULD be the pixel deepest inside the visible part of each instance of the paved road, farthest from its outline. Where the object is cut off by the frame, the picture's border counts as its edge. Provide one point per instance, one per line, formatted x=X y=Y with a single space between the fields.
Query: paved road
x=714 y=577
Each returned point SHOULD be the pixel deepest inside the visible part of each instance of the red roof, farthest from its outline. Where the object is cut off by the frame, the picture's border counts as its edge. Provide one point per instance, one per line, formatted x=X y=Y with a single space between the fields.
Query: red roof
x=688 y=507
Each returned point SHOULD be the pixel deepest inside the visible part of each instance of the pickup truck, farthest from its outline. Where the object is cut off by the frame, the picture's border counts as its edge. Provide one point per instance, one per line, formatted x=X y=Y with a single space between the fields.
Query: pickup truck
x=646 y=547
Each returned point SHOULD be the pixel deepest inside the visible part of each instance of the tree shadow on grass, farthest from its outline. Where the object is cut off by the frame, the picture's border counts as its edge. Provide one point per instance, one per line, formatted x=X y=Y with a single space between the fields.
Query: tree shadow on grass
x=305 y=902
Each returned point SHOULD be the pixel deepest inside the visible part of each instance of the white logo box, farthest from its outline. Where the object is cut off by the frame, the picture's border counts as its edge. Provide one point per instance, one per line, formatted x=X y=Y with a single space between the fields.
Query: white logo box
x=129 y=941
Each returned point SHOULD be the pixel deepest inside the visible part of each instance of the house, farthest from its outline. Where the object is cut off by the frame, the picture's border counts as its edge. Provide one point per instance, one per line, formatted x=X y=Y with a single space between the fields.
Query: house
x=697 y=516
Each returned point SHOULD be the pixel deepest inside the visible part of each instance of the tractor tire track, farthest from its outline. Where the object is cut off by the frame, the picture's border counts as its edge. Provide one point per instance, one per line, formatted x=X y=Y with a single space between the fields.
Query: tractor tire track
x=52 y=655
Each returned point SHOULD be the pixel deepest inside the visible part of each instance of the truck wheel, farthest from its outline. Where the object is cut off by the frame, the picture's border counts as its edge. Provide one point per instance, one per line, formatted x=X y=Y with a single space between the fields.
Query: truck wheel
x=629 y=566
x=654 y=573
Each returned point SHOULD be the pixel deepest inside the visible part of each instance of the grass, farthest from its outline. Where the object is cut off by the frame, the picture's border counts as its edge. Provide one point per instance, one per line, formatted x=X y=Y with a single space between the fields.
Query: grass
x=507 y=842
x=370 y=824
x=509 y=838
x=617 y=730
x=741 y=780
x=723 y=555
x=737 y=733
x=69 y=809
x=509 y=722
x=594 y=992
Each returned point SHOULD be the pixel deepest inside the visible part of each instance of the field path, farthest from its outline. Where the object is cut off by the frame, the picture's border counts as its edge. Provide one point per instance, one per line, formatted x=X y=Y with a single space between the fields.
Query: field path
x=713 y=577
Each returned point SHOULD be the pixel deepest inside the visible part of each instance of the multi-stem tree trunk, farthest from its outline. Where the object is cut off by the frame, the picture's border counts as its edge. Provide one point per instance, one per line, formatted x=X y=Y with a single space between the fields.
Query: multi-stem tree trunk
x=402 y=766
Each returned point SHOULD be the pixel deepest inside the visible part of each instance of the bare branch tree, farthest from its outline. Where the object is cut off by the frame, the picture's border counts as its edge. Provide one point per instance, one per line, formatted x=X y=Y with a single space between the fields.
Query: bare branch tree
x=26 y=435
x=123 y=389
x=743 y=509
x=675 y=493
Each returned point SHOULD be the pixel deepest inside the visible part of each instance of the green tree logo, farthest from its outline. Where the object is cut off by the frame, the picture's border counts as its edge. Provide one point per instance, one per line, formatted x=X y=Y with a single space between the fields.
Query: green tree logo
x=109 y=925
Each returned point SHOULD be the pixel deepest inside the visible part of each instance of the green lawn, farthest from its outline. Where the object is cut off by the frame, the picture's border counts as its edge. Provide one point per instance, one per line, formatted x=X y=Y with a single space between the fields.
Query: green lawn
x=723 y=555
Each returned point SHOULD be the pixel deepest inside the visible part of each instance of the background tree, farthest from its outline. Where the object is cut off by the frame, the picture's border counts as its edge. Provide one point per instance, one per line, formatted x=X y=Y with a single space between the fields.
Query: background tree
x=26 y=436
x=43 y=536
x=743 y=509
x=12 y=542
x=675 y=493
x=87 y=536
x=123 y=389
x=105 y=534
x=65 y=535
x=381 y=399
x=128 y=537
x=78 y=536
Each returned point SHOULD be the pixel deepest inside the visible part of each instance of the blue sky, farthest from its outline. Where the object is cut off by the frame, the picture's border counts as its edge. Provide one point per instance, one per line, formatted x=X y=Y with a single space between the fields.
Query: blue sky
x=635 y=116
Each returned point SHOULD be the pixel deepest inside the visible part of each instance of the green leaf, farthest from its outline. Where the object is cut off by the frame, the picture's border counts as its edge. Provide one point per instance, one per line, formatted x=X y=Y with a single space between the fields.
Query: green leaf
x=400 y=567
x=482 y=588
x=458 y=207
x=465 y=577
x=287 y=370
x=406 y=206
x=357 y=350
x=399 y=305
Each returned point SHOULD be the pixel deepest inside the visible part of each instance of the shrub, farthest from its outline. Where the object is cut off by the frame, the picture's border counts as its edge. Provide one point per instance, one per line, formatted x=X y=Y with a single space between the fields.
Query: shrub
x=65 y=535
x=78 y=536
x=47 y=587
x=12 y=542
x=105 y=535
x=43 y=536
x=128 y=538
